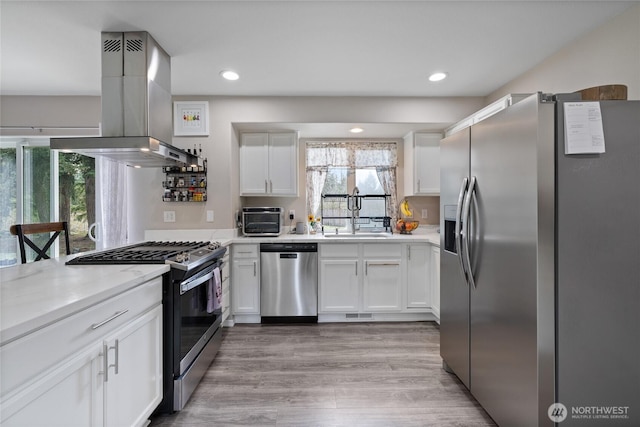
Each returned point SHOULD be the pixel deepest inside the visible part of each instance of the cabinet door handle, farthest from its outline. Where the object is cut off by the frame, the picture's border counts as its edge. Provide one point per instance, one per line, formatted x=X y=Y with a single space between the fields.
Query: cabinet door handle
x=418 y=186
x=105 y=362
x=356 y=268
x=265 y=186
x=116 y=365
x=270 y=186
x=104 y=322
x=409 y=252
x=366 y=268
x=255 y=265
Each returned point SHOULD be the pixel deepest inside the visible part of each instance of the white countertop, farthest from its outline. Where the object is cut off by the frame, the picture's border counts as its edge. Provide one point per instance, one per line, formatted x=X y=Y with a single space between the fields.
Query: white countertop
x=424 y=234
x=433 y=238
x=37 y=294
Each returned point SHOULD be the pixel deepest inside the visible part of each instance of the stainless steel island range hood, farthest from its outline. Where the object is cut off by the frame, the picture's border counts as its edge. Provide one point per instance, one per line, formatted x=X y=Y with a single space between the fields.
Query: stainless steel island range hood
x=136 y=106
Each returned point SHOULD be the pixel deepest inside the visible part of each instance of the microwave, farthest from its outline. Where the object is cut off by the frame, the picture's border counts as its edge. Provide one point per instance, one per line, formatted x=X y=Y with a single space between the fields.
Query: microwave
x=262 y=221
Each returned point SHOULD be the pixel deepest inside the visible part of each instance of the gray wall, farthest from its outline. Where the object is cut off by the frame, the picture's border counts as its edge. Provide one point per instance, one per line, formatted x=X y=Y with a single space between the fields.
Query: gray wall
x=221 y=147
x=608 y=55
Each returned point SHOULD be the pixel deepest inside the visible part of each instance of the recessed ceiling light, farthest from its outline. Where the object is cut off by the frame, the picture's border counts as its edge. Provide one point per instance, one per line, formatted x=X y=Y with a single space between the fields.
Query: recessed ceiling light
x=356 y=130
x=436 y=77
x=229 y=75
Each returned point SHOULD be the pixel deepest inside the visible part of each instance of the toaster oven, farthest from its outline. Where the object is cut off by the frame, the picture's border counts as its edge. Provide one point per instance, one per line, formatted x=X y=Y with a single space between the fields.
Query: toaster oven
x=262 y=221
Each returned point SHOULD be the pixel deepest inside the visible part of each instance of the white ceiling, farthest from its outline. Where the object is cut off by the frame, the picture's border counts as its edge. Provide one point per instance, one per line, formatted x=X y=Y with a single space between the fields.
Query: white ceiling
x=297 y=48
x=329 y=48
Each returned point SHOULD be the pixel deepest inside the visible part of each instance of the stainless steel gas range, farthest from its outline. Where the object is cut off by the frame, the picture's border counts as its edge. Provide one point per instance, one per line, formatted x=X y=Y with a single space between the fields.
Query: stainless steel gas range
x=192 y=314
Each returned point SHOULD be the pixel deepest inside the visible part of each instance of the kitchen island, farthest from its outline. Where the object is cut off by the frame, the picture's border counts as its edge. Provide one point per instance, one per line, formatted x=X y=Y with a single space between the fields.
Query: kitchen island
x=80 y=345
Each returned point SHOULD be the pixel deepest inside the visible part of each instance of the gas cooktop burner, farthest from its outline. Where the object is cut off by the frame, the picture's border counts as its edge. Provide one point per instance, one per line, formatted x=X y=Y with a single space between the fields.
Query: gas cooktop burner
x=182 y=255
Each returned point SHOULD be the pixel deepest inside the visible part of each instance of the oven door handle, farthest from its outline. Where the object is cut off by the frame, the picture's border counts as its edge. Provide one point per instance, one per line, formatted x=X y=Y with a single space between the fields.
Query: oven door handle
x=187 y=285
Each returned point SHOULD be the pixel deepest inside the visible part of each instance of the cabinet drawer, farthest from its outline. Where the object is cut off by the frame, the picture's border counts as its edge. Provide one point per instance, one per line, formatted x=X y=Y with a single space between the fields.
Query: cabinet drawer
x=33 y=354
x=245 y=251
x=382 y=250
x=340 y=250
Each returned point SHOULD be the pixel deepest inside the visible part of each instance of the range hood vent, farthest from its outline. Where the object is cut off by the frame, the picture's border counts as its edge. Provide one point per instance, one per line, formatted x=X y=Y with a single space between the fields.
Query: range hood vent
x=136 y=106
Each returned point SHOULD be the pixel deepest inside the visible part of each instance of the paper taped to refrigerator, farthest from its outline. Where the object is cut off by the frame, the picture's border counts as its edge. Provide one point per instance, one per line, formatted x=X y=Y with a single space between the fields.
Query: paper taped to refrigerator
x=583 y=128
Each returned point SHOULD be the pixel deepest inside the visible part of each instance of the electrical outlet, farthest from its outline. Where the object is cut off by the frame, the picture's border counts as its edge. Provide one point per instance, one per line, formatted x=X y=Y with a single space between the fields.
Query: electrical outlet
x=425 y=214
x=292 y=214
x=169 y=216
x=210 y=216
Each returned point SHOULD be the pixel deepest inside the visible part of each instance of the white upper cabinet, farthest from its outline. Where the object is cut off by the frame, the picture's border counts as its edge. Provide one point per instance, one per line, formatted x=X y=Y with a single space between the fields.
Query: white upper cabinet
x=269 y=164
x=422 y=164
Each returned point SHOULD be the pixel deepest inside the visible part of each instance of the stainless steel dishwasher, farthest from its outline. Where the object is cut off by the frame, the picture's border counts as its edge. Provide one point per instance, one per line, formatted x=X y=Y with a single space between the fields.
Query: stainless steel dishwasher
x=289 y=282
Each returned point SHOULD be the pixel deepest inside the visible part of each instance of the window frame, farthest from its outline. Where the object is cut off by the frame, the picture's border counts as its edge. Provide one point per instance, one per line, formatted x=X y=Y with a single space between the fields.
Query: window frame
x=21 y=145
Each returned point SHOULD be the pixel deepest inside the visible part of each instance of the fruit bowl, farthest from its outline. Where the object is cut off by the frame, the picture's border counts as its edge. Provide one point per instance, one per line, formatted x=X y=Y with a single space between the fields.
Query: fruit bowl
x=406 y=226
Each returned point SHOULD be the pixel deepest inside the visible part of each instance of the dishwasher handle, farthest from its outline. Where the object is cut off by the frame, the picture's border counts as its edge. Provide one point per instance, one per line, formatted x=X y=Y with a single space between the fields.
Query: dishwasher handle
x=289 y=256
x=284 y=248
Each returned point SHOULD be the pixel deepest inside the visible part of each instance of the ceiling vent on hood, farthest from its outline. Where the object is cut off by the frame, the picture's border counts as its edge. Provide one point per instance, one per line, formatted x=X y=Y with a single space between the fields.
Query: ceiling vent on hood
x=136 y=106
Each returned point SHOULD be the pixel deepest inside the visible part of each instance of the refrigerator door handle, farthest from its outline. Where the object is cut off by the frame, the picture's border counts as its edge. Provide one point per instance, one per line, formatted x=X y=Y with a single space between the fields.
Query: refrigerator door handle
x=458 y=228
x=466 y=214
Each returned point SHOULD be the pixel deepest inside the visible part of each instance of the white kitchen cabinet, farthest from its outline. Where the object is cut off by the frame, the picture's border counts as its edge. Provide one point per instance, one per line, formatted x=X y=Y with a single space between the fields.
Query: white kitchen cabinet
x=382 y=285
x=245 y=279
x=339 y=289
x=339 y=278
x=226 y=289
x=72 y=394
x=133 y=384
x=269 y=164
x=418 y=257
x=422 y=164
x=99 y=367
x=435 y=282
x=358 y=278
x=382 y=278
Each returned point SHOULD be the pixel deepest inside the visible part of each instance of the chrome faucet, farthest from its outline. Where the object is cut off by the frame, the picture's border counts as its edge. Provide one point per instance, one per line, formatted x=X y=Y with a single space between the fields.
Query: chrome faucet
x=355 y=208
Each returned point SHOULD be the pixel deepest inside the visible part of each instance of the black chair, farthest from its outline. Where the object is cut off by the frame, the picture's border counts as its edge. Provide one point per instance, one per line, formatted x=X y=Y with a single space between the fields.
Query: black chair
x=21 y=230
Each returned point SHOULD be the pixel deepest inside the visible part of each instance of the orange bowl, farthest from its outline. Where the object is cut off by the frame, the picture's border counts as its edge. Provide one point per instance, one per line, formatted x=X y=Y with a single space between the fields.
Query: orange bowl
x=405 y=226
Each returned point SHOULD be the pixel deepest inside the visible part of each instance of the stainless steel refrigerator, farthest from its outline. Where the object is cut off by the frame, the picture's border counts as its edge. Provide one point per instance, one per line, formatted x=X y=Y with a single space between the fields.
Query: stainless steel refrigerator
x=540 y=266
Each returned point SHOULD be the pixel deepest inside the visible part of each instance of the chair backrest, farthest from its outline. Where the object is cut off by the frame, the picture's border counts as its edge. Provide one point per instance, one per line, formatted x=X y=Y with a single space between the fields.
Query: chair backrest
x=21 y=230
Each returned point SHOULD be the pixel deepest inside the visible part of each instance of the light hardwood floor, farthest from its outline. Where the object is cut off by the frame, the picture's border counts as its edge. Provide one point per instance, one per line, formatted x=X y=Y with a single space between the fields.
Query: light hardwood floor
x=339 y=374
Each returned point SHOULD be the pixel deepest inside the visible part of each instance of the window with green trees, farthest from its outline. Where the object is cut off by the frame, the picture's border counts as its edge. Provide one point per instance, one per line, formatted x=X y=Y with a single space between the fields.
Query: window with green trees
x=40 y=185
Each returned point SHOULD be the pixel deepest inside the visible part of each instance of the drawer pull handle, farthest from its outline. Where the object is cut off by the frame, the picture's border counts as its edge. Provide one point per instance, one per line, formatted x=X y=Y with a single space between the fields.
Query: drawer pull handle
x=104 y=322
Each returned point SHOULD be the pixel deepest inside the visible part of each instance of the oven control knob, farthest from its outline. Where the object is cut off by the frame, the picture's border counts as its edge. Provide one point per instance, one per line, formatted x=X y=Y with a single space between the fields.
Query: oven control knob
x=182 y=257
x=213 y=246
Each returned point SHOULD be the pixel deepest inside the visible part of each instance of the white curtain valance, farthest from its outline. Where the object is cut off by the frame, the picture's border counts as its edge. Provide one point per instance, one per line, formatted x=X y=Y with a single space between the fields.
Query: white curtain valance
x=350 y=154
